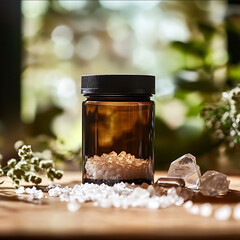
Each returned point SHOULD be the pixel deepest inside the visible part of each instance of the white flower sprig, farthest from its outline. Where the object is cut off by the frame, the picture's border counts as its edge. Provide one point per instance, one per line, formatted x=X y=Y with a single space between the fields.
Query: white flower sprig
x=29 y=168
x=223 y=117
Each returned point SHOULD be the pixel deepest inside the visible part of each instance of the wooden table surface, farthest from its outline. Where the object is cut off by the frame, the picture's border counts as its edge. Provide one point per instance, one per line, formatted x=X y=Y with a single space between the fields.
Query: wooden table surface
x=51 y=219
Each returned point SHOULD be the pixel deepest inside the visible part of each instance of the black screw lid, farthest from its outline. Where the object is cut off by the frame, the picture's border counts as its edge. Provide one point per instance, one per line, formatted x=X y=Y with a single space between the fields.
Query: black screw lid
x=123 y=84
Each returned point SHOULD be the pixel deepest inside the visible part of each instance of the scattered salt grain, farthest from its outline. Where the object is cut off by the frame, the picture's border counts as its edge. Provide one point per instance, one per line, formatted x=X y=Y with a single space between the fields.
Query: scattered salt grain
x=30 y=198
x=38 y=194
x=120 y=195
x=50 y=186
x=151 y=190
x=194 y=209
x=236 y=212
x=188 y=204
x=73 y=206
x=153 y=204
x=223 y=213
x=20 y=190
x=206 y=210
x=179 y=202
x=32 y=192
x=20 y=197
x=106 y=203
x=55 y=191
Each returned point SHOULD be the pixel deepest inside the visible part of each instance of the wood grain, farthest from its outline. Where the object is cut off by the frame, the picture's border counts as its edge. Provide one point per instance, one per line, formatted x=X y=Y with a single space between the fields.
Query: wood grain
x=51 y=219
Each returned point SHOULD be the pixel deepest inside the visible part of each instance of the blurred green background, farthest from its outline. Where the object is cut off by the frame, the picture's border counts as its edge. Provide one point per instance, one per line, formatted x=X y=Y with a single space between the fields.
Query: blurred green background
x=182 y=43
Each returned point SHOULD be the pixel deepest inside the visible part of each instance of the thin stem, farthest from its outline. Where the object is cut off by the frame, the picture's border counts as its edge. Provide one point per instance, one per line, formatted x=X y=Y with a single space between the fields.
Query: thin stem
x=6 y=167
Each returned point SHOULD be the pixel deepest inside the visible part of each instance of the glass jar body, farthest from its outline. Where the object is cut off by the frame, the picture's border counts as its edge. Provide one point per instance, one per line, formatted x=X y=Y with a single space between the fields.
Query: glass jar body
x=117 y=139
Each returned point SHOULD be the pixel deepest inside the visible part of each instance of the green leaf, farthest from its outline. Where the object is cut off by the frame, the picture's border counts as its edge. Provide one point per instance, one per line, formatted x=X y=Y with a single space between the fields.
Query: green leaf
x=197 y=48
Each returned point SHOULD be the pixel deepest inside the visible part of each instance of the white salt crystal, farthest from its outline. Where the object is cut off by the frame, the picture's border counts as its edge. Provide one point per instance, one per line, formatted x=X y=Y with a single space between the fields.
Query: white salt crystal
x=179 y=201
x=116 y=204
x=53 y=186
x=188 y=204
x=38 y=194
x=73 y=206
x=236 y=212
x=105 y=203
x=124 y=205
x=194 y=209
x=113 y=166
x=55 y=192
x=20 y=197
x=30 y=190
x=30 y=198
x=223 y=213
x=20 y=190
x=153 y=204
x=186 y=167
x=151 y=190
x=171 y=192
x=140 y=193
x=164 y=202
x=119 y=195
x=33 y=193
x=206 y=210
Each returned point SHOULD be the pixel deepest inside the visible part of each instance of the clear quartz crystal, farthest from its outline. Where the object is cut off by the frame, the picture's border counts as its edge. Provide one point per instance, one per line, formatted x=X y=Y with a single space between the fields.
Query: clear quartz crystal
x=185 y=167
x=214 y=183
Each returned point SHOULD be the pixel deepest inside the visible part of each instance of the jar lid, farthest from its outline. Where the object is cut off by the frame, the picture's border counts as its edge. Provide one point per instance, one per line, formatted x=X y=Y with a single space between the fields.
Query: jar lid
x=123 y=84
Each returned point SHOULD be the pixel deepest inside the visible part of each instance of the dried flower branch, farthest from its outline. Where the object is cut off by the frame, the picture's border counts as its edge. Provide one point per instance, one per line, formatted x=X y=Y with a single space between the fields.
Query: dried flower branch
x=30 y=167
x=223 y=118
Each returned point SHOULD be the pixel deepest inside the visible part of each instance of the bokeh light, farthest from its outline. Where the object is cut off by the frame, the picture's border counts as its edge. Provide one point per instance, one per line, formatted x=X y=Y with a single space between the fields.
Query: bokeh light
x=88 y=47
x=62 y=33
x=182 y=43
x=33 y=9
x=72 y=5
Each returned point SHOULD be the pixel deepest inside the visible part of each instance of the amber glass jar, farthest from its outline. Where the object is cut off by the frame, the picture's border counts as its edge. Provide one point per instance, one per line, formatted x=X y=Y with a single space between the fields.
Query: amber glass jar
x=118 y=128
